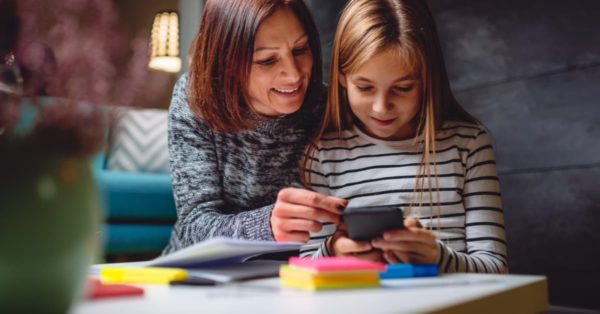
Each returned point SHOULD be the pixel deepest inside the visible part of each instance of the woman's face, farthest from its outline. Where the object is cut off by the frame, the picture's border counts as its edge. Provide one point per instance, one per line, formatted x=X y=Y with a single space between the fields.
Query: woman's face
x=281 y=65
x=384 y=95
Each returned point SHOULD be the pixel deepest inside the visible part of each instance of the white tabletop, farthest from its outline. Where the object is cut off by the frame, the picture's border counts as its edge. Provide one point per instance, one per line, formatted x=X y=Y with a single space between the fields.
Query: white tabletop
x=451 y=293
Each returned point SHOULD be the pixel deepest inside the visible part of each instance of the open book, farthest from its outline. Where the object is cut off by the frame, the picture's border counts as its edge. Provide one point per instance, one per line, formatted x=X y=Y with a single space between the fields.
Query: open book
x=221 y=251
x=220 y=259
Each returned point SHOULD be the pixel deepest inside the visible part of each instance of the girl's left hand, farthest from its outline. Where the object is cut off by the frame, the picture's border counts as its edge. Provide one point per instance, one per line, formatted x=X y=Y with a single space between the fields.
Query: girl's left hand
x=410 y=245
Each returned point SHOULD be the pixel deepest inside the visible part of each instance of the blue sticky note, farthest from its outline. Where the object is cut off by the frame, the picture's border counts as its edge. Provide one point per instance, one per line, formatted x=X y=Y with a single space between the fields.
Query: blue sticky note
x=409 y=271
x=397 y=271
x=425 y=270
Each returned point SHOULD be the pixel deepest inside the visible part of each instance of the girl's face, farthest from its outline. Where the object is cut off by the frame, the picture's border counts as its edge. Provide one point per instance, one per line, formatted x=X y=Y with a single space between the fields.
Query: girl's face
x=281 y=65
x=385 y=96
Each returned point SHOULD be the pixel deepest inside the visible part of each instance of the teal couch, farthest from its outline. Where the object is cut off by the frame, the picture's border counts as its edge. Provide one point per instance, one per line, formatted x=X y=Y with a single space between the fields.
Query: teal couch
x=139 y=210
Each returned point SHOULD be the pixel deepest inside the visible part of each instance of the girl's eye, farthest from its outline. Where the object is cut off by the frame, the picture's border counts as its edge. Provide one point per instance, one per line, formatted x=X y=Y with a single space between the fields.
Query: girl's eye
x=269 y=61
x=300 y=51
x=364 y=88
x=404 y=89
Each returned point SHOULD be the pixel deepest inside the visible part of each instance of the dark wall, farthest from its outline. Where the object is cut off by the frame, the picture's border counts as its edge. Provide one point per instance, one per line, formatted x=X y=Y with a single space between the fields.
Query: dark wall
x=530 y=70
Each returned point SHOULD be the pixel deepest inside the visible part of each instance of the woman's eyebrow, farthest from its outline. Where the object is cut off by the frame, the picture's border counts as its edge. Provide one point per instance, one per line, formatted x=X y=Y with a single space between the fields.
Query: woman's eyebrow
x=275 y=48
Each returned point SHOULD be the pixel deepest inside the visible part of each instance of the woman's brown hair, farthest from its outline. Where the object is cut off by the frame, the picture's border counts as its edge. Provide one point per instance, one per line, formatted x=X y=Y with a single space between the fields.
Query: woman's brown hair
x=368 y=27
x=222 y=56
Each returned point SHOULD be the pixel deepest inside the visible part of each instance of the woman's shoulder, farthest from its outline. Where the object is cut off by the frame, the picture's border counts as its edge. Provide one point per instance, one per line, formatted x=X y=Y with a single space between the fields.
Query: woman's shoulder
x=179 y=109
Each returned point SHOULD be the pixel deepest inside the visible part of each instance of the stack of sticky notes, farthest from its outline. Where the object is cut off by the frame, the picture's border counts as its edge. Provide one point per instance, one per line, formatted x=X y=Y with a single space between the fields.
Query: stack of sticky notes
x=330 y=273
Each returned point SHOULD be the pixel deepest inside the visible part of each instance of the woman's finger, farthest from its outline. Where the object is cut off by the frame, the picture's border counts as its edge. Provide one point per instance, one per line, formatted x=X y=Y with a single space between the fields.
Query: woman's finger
x=312 y=199
x=305 y=225
x=288 y=210
x=295 y=236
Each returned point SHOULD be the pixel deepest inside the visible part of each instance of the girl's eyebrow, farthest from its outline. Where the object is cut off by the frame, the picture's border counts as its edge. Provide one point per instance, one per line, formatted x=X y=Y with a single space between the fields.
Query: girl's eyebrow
x=408 y=77
x=275 y=48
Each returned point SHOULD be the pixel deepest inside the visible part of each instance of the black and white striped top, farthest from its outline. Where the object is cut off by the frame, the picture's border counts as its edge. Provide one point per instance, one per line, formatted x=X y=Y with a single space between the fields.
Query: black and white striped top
x=469 y=221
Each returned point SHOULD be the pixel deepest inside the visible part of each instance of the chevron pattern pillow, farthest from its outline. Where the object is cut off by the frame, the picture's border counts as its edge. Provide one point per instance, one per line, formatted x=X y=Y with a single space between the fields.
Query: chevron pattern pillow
x=139 y=141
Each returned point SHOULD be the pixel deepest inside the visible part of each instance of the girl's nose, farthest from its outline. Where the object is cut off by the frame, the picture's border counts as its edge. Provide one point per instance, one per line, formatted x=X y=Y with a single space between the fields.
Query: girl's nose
x=381 y=104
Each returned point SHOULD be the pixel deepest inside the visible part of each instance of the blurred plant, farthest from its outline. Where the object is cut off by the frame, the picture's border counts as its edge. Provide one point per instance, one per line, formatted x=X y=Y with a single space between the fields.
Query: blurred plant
x=76 y=52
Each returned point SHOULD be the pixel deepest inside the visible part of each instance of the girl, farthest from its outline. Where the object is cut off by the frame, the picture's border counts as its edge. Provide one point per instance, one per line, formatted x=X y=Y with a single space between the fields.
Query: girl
x=239 y=122
x=393 y=134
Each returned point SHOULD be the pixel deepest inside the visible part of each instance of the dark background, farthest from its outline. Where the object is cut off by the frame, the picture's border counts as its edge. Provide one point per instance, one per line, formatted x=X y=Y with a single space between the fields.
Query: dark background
x=530 y=70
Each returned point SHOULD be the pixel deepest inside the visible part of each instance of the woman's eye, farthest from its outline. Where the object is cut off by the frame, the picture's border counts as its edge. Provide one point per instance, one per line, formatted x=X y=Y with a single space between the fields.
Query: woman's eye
x=404 y=89
x=269 y=61
x=300 y=51
x=364 y=88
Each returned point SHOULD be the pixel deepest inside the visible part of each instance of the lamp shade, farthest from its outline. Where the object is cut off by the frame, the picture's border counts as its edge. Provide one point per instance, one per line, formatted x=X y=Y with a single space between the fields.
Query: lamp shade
x=165 y=42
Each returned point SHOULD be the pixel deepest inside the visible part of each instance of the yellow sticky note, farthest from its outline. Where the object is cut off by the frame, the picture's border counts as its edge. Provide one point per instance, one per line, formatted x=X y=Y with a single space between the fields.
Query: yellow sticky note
x=156 y=275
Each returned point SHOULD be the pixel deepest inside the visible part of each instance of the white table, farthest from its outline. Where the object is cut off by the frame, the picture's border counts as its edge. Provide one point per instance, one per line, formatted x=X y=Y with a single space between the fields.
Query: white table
x=451 y=293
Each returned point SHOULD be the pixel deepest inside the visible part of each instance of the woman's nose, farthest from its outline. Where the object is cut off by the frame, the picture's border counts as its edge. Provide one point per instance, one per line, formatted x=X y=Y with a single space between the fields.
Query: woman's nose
x=290 y=69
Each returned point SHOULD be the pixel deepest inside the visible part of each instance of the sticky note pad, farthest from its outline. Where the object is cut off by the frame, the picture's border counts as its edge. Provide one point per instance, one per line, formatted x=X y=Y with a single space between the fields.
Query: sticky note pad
x=335 y=264
x=397 y=271
x=157 y=275
x=425 y=270
x=312 y=280
x=409 y=271
x=97 y=290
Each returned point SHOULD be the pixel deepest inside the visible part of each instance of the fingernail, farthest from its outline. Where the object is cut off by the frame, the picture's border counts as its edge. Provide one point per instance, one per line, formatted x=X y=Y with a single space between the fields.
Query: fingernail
x=341 y=208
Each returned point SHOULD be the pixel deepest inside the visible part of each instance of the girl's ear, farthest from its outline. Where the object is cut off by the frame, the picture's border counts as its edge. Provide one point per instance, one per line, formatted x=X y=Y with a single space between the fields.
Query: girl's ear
x=343 y=80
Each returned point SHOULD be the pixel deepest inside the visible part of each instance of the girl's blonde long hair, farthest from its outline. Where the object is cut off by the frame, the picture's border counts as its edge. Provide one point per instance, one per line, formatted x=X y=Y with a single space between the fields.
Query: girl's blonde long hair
x=368 y=27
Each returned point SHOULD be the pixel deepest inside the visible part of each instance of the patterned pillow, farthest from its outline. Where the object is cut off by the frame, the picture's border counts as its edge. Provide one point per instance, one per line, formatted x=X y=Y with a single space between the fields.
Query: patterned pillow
x=139 y=141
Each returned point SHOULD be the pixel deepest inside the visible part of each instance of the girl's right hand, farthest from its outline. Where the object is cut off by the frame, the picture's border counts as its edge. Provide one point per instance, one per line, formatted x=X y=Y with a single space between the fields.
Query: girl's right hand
x=339 y=244
x=297 y=212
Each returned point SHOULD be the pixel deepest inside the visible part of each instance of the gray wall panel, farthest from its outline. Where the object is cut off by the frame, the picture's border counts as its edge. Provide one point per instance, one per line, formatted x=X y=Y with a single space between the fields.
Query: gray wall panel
x=549 y=121
x=495 y=41
x=552 y=229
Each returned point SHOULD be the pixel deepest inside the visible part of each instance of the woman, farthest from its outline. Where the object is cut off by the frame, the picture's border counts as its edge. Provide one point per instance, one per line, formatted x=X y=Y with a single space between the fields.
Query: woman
x=238 y=124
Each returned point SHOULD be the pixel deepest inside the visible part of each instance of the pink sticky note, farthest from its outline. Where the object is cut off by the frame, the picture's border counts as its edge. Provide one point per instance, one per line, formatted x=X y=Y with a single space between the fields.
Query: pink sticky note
x=335 y=264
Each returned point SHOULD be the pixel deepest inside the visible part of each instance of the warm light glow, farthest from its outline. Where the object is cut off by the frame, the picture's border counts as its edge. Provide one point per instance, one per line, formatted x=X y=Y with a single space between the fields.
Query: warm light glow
x=167 y=64
x=165 y=43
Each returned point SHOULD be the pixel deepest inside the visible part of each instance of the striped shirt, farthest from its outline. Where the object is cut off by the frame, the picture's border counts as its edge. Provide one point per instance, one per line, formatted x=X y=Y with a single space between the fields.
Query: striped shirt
x=468 y=222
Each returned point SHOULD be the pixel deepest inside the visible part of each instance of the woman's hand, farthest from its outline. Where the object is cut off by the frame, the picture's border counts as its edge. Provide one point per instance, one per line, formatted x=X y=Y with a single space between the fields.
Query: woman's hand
x=297 y=212
x=411 y=245
x=339 y=244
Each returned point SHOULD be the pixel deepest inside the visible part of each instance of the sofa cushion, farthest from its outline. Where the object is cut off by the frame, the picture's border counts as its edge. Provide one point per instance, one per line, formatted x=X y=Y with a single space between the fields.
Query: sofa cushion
x=140 y=197
x=139 y=141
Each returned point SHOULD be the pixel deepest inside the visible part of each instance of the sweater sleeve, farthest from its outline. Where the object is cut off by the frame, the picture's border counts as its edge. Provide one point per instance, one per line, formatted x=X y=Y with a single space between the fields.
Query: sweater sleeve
x=197 y=183
x=484 y=224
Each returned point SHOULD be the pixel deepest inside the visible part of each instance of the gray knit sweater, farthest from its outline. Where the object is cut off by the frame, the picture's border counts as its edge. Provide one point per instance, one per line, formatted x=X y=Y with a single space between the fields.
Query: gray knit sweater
x=225 y=184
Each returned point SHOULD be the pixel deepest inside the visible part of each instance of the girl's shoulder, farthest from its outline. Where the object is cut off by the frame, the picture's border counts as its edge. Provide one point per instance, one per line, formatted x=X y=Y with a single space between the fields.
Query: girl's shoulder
x=461 y=133
x=345 y=138
x=466 y=129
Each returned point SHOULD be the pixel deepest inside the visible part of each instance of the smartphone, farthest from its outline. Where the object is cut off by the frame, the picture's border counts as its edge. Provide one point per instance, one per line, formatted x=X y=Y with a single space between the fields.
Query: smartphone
x=369 y=222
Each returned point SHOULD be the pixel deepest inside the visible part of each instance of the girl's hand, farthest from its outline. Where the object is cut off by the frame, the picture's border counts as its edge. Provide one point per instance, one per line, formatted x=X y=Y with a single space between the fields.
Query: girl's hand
x=411 y=245
x=297 y=212
x=341 y=245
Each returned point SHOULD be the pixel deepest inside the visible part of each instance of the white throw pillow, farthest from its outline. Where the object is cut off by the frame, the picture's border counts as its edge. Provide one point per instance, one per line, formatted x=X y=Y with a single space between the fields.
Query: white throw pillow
x=139 y=141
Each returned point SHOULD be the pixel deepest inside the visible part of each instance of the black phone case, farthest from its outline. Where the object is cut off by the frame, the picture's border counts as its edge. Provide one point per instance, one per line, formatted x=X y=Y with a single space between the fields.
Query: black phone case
x=368 y=222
